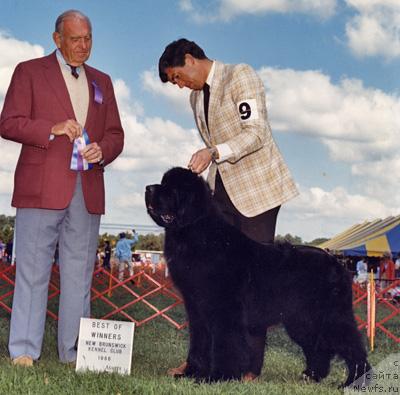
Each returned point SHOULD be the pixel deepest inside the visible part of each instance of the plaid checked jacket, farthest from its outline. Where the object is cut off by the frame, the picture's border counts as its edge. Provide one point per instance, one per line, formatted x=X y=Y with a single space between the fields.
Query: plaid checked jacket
x=256 y=177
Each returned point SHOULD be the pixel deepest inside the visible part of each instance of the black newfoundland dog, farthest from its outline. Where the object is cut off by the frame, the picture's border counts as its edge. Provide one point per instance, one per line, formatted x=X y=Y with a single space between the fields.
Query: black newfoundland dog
x=234 y=289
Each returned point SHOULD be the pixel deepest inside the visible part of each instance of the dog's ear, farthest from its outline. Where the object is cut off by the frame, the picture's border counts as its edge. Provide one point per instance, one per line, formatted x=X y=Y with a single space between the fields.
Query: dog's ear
x=193 y=203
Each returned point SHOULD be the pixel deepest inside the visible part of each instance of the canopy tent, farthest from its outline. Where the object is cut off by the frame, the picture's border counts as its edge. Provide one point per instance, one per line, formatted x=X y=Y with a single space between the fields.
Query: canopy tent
x=368 y=239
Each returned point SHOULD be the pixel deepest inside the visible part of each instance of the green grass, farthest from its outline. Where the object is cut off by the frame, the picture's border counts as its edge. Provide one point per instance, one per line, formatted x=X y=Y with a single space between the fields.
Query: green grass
x=157 y=347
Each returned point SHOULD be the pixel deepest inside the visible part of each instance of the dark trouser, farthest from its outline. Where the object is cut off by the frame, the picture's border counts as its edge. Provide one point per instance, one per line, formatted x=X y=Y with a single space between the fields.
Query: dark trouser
x=260 y=228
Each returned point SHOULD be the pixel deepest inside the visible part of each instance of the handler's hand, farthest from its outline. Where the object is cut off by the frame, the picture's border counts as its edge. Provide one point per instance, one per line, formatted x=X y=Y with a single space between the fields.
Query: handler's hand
x=200 y=160
x=70 y=127
x=92 y=153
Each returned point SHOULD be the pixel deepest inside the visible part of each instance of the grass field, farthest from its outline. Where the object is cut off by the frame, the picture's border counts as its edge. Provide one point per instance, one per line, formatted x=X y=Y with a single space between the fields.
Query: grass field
x=158 y=346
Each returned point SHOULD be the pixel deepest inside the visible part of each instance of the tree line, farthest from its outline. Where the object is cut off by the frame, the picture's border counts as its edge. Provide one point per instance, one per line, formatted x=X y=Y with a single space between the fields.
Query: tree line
x=7 y=224
x=149 y=241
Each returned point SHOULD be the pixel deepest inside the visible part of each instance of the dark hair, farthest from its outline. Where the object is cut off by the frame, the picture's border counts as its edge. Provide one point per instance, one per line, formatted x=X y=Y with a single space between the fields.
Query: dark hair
x=122 y=235
x=174 y=55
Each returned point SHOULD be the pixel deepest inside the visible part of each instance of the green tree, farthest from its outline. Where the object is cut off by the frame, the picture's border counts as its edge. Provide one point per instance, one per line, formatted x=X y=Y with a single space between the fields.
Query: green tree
x=111 y=238
x=7 y=224
x=317 y=241
x=291 y=239
x=151 y=242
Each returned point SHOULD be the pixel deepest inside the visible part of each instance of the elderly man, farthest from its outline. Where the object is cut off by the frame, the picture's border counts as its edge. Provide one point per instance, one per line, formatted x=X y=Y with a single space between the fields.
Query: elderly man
x=65 y=115
x=248 y=175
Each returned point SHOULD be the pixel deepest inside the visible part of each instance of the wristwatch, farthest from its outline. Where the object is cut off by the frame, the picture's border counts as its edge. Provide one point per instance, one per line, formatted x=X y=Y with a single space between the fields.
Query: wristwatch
x=214 y=153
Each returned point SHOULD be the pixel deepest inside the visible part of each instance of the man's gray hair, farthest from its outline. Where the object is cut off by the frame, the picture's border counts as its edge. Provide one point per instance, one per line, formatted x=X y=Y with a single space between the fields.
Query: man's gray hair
x=68 y=14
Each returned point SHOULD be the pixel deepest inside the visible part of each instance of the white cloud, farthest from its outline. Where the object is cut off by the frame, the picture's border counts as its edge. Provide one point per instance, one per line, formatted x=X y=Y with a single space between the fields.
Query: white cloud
x=359 y=125
x=227 y=10
x=12 y=52
x=318 y=203
x=152 y=146
x=179 y=98
x=374 y=30
x=151 y=143
x=355 y=122
x=131 y=200
x=380 y=180
x=322 y=213
x=6 y=183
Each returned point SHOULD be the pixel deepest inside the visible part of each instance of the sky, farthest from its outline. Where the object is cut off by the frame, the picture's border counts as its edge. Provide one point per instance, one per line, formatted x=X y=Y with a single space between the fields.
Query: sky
x=331 y=74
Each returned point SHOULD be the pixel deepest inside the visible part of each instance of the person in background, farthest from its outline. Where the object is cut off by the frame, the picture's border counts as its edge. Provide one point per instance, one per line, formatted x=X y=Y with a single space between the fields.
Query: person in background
x=123 y=252
x=362 y=271
x=65 y=116
x=9 y=251
x=386 y=270
x=397 y=266
x=107 y=255
x=97 y=261
x=2 y=250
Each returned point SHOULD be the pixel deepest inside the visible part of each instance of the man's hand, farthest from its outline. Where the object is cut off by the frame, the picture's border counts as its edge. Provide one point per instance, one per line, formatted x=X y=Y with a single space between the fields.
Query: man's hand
x=92 y=153
x=200 y=160
x=70 y=127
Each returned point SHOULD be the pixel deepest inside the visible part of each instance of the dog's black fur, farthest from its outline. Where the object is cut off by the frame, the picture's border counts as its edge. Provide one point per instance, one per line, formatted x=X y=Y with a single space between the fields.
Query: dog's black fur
x=234 y=289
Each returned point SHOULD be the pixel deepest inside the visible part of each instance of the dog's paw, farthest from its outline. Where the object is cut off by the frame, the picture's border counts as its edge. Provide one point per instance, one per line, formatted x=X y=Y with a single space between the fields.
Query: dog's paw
x=179 y=371
x=249 y=376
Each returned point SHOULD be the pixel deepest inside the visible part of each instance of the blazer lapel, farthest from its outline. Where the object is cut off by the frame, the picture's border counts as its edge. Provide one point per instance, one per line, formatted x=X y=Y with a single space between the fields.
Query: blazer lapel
x=214 y=96
x=92 y=110
x=199 y=116
x=56 y=81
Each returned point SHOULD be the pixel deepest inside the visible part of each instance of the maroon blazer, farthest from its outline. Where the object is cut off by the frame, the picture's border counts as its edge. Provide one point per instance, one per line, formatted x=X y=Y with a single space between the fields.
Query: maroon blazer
x=36 y=100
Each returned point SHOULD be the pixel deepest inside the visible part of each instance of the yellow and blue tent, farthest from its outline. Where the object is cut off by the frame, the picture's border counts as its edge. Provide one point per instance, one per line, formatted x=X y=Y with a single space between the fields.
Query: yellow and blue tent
x=368 y=239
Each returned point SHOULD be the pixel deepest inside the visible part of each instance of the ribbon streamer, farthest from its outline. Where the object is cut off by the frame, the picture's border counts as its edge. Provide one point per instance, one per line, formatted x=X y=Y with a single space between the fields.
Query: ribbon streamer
x=77 y=161
x=98 y=94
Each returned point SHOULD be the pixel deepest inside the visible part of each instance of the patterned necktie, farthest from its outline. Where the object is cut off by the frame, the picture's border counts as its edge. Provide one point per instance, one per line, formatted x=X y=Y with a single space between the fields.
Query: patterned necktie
x=206 y=93
x=74 y=71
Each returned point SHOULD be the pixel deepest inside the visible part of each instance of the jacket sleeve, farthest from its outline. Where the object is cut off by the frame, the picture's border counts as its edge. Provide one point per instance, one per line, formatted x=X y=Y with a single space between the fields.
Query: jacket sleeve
x=248 y=96
x=16 y=122
x=134 y=240
x=118 y=250
x=113 y=141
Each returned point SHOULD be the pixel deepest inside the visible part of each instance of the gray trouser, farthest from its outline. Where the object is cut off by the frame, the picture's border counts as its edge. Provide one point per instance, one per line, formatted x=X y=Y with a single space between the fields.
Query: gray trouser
x=121 y=267
x=37 y=234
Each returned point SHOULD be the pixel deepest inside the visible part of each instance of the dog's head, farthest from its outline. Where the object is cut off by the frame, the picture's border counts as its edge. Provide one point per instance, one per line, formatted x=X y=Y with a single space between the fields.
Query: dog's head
x=181 y=199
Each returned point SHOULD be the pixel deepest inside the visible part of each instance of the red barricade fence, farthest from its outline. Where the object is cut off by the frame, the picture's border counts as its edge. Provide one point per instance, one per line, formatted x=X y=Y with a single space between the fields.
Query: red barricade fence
x=149 y=293
x=387 y=300
x=140 y=298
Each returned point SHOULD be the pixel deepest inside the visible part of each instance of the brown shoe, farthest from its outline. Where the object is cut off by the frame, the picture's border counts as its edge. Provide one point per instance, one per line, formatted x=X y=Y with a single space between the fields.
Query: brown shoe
x=179 y=371
x=249 y=376
x=23 y=360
